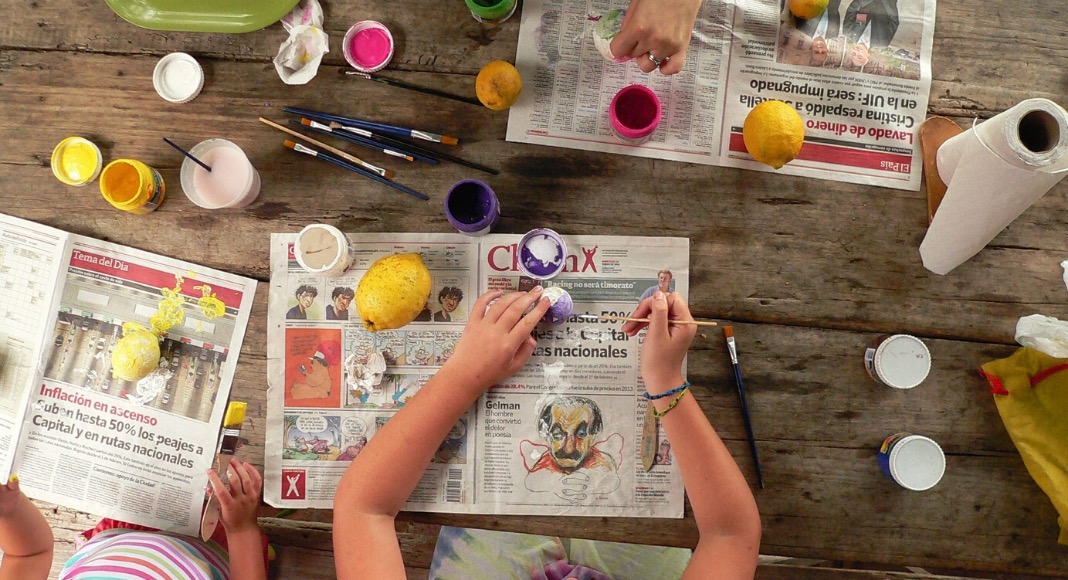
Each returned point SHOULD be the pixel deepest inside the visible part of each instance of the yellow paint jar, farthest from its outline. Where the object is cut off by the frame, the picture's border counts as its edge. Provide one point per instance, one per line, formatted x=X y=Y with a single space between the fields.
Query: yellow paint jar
x=132 y=186
x=76 y=161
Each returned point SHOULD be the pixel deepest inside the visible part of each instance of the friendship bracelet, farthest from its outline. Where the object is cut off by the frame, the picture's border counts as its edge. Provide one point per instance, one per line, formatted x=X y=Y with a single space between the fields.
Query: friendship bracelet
x=675 y=401
x=677 y=389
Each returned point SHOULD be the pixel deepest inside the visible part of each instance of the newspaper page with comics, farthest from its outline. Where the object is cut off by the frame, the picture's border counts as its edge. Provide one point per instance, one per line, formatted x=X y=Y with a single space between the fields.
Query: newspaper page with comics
x=859 y=76
x=505 y=455
x=75 y=434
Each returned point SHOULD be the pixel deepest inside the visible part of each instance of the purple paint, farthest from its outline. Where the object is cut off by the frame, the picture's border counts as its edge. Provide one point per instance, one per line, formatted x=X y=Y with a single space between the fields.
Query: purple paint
x=368 y=46
x=472 y=207
x=634 y=113
x=542 y=253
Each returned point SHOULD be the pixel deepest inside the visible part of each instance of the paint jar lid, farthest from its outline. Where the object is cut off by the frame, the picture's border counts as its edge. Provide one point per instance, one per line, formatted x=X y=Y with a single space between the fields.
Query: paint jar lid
x=542 y=253
x=76 y=161
x=368 y=46
x=902 y=361
x=178 y=78
x=917 y=462
x=317 y=238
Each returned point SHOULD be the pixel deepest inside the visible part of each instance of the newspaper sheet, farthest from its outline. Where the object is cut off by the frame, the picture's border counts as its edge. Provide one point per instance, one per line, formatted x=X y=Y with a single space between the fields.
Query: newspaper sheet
x=504 y=456
x=859 y=76
x=136 y=452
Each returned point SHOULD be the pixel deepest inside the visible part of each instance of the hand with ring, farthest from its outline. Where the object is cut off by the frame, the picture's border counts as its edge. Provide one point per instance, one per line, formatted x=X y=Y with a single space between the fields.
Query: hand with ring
x=656 y=33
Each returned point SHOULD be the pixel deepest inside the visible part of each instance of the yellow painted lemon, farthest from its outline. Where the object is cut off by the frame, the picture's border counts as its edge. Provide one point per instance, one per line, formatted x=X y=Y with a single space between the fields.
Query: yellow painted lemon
x=136 y=354
x=393 y=292
x=806 y=9
x=498 y=85
x=773 y=133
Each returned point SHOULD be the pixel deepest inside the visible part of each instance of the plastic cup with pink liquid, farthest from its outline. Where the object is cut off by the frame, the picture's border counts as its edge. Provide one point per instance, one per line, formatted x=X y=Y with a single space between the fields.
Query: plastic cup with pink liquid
x=232 y=182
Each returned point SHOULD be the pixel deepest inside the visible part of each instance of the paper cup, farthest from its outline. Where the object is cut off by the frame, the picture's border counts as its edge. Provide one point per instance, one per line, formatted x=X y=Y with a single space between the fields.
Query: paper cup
x=542 y=254
x=232 y=182
x=472 y=207
x=368 y=46
x=178 y=78
x=912 y=461
x=900 y=361
x=323 y=249
x=634 y=114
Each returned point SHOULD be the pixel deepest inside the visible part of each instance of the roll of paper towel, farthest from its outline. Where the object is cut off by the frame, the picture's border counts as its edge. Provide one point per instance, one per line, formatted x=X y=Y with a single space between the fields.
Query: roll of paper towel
x=994 y=171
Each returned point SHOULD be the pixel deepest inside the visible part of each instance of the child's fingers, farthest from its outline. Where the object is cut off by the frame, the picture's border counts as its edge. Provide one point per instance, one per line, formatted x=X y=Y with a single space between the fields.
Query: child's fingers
x=515 y=311
x=220 y=489
x=254 y=477
x=523 y=354
x=244 y=480
x=642 y=311
x=501 y=305
x=483 y=302
x=524 y=327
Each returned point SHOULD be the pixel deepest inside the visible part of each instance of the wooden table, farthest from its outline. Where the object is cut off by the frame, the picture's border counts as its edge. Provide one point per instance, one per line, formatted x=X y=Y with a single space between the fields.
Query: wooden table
x=807 y=271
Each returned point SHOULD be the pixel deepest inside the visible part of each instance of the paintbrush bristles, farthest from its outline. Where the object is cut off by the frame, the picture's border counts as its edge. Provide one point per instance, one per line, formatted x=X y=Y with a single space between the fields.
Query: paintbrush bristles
x=728 y=331
x=387 y=173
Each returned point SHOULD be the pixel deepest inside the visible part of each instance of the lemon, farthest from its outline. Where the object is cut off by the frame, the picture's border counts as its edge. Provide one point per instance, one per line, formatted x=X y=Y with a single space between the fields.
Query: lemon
x=393 y=291
x=136 y=354
x=773 y=133
x=498 y=85
x=806 y=9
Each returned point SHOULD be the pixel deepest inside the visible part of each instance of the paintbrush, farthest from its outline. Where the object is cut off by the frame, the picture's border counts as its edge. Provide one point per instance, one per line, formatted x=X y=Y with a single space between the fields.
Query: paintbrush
x=393 y=130
x=187 y=154
x=342 y=163
x=319 y=127
x=381 y=172
x=416 y=88
x=728 y=333
x=629 y=319
x=412 y=149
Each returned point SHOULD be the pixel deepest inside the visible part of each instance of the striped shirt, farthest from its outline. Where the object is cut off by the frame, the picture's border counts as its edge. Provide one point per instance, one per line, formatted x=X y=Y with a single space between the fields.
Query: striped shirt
x=121 y=554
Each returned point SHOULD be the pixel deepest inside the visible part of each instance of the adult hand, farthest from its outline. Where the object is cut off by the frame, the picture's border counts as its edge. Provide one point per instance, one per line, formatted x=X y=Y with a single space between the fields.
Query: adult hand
x=496 y=341
x=238 y=504
x=665 y=344
x=657 y=28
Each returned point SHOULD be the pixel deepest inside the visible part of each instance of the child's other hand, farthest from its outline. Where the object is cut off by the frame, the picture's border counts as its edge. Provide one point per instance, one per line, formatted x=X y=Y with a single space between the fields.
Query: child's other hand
x=239 y=503
x=9 y=496
x=665 y=344
x=496 y=341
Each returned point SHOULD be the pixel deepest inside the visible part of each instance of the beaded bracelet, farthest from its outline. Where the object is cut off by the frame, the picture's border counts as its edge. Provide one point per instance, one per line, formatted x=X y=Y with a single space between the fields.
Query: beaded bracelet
x=675 y=401
x=676 y=390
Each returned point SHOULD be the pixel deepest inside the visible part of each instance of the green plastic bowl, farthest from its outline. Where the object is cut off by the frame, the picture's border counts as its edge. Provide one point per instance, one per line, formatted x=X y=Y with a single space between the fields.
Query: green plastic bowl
x=202 y=15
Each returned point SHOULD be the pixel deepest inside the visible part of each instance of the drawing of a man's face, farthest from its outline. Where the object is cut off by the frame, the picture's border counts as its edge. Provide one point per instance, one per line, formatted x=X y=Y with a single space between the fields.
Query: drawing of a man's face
x=569 y=425
x=342 y=302
x=305 y=299
x=316 y=374
x=819 y=50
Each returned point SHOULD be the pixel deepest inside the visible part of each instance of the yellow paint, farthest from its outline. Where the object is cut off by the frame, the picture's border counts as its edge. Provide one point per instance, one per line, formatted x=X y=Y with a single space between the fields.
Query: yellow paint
x=235 y=414
x=76 y=161
x=136 y=353
x=211 y=306
x=132 y=186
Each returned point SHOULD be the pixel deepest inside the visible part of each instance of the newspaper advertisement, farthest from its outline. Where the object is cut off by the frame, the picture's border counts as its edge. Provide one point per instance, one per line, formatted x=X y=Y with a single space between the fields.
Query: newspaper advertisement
x=859 y=76
x=85 y=439
x=559 y=437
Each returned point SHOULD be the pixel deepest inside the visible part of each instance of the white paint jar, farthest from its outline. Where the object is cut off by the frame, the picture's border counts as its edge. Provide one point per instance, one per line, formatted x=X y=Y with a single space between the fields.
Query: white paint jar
x=900 y=361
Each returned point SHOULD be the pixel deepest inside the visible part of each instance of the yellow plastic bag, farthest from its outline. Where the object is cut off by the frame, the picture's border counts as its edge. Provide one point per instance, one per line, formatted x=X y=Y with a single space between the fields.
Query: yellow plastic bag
x=1031 y=393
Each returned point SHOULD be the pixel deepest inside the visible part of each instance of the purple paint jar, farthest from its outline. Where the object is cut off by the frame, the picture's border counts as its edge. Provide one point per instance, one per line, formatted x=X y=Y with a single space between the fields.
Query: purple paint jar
x=472 y=207
x=542 y=253
x=634 y=114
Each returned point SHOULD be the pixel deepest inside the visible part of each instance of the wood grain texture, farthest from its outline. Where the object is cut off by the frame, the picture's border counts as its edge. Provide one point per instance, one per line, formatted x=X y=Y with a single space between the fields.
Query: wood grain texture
x=807 y=271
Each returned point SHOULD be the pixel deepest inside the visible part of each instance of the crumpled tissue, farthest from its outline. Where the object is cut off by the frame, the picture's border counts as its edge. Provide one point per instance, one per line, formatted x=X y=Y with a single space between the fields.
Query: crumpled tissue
x=1044 y=334
x=299 y=56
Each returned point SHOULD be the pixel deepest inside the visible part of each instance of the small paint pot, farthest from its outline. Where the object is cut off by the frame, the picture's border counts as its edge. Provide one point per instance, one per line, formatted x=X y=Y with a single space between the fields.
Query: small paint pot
x=232 y=182
x=368 y=46
x=634 y=114
x=132 y=186
x=560 y=305
x=542 y=254
x=491 y=11
x=900 y=361
x=178 y=78
x=323 y=249
x=912 y=461
x=472 y=207
x=76 y=161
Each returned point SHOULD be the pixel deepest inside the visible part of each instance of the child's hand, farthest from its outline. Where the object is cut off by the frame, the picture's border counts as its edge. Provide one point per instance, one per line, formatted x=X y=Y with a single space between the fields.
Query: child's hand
x=665 y=344
x=238 y=504
x=496 y=342
x=10 y=496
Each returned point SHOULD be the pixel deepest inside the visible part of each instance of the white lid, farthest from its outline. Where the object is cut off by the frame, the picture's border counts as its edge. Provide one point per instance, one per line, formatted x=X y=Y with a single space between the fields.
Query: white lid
x=178 y=77
x=902 y=361
x=917 y=463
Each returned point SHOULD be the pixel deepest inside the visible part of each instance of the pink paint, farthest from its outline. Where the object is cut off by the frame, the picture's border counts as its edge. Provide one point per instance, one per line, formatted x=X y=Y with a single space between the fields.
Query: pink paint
x=232 y=181
x=634 y=113
x=368 y=46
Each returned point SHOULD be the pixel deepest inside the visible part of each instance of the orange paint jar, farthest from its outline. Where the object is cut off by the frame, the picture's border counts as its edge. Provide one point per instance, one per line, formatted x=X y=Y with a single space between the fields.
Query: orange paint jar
x=132 y=186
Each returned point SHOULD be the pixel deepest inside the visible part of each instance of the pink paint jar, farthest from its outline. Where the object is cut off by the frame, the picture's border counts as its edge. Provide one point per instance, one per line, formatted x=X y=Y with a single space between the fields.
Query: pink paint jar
x=368 y=46
x=634 y=114
x=232 y=182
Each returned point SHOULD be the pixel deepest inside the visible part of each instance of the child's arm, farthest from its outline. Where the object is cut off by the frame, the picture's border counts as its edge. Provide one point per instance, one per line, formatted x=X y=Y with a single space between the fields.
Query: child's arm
x=238 y=505
x=495 y=344
x=25 y=537
x=726 y=513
